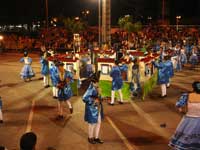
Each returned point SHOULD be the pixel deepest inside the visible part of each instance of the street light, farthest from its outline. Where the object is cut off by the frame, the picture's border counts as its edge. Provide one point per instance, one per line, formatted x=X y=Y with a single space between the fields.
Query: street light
x=99 y=7
x=177 y=21
x=47 y=14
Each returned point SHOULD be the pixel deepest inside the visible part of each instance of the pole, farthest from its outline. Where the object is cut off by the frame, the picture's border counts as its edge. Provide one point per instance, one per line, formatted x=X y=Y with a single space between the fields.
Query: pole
x=163 y=11
x=99 y=5
x=47 y=14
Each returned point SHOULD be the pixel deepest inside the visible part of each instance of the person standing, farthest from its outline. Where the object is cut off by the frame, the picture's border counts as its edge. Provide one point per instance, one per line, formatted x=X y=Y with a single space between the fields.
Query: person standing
x=163 y=77
x=1 y=114
x=135 y=76
x=187 y=134
x=117 y=83
x=93 y=110
x=64 y=89
x=27 y=72
x=170 y=69
x=45 y=69
x=54 y=78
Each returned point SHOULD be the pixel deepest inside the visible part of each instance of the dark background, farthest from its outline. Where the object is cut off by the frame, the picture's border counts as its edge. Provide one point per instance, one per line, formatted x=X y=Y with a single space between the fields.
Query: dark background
x=26 y=11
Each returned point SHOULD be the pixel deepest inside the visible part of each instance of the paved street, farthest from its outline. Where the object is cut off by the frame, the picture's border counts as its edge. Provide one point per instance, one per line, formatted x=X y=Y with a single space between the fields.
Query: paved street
x=132 y=126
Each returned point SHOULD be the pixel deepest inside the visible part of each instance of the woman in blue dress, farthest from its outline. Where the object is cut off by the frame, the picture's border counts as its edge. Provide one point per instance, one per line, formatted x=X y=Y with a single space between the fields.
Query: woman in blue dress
x=117 y=83
x=27 y=71
x=187 y=134
x=93 y=110
x=64 y=89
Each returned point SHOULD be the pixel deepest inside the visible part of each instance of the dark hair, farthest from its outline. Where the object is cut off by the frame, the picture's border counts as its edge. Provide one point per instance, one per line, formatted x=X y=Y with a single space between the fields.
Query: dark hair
x=28 y=141
x=196 y=86
x=116 y=62
x=25 y=53
x=2 y=148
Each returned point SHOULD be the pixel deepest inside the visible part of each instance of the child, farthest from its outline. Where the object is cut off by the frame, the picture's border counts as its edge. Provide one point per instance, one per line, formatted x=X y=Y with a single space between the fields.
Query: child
x=27 y=71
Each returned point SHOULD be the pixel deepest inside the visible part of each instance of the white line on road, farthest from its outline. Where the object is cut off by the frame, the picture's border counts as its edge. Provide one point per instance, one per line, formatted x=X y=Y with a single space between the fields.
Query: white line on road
x=120 y=134
x=30 y=117
x=150 y=120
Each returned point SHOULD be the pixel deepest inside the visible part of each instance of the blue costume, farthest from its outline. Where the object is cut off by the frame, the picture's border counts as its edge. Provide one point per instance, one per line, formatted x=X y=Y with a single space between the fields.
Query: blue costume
x=92 y=110
x=187 y=134
x=170 y=69
x=54 y=75
x=45 y=66
x=27 y=71
x=124 y=69
x=193 y=59
x=117 y=81
x=163 y=76
x=64 y=88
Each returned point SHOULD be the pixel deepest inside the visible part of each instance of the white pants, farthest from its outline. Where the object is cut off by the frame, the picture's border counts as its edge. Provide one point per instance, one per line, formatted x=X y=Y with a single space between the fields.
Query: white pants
x=93 y=129
x=55 y=91
x=113 y=96
x=1 y=115
x=163 y=89
x=46 y=80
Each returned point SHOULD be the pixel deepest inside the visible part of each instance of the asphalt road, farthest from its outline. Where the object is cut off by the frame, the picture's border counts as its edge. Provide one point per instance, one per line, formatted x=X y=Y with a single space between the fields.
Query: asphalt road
x=135 y=125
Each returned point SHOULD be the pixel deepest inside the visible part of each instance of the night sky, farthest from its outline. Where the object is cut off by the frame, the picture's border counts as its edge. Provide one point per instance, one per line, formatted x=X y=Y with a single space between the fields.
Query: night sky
x=23 y=11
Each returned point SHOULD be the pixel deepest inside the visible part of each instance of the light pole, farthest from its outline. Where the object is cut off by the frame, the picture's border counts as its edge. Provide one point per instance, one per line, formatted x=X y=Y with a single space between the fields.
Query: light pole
x=99 y=7
x=47 y=14
x=177 y=21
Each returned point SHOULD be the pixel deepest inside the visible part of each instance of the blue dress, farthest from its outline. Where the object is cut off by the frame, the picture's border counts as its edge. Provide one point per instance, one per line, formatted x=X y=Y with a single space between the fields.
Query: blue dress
x=187 y=134
x=163 y=76
x=117 y=81
x=64 y=88
x=54 y=75
x=27 y=71
x=92 y=110
x=44 y=67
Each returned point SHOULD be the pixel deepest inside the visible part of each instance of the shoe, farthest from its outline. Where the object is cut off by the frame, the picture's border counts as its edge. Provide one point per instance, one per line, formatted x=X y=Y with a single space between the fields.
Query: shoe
x=60 y=117
x=111 y=104
x=91 y=141
x=1 y=121
x=55 y=97
x=121 y=102
x=98 y=140
x=163 y=96
x=71 y=110
x=46 y=86
x=168 y=86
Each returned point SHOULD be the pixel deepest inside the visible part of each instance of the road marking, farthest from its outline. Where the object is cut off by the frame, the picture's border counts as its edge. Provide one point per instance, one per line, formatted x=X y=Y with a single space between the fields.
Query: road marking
x=150 y=120
x=30 y=117
x=120 y=134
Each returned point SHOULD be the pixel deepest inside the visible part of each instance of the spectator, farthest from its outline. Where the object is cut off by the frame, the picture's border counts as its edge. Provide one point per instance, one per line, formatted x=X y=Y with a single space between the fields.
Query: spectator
x=28 y=141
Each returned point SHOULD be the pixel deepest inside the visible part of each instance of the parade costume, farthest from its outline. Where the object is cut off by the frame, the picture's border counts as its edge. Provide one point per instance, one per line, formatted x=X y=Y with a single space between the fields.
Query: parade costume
x=54 y=79
x=93 y=110
x=1 y=114
x=124 y=70
x=187 y=134
x=135 y=83
x=170 y=70
x=117 y=83
x=64 y=88
x=193 y=59
x=27 y=71
x=163 y=77
x=45 y=69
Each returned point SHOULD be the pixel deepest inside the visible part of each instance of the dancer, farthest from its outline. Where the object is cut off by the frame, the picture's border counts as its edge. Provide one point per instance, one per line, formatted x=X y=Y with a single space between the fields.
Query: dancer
x=187 y=134
x=64 y=89
x=27 y=71
x=54 y=78
x=45 y=69
x=117 y=83
x=93 y=110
